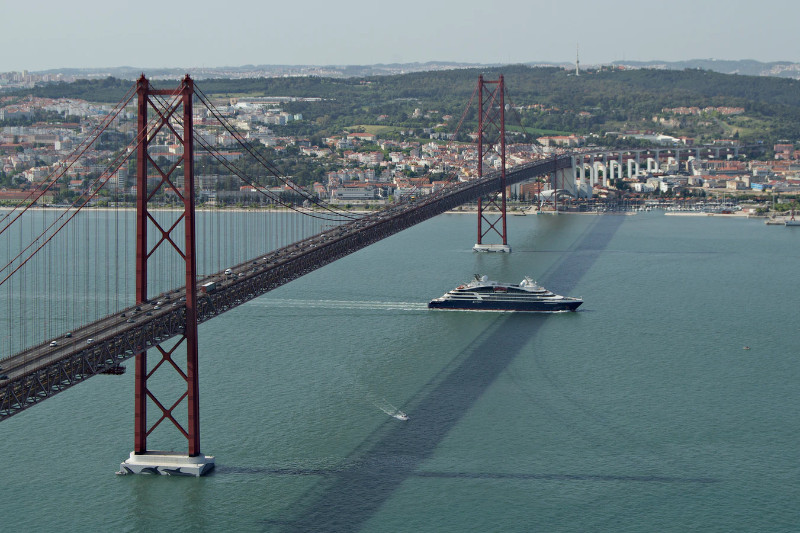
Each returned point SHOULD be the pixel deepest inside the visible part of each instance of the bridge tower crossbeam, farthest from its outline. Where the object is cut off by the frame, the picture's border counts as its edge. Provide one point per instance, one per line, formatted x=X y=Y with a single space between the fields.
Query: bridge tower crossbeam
x=492 y=139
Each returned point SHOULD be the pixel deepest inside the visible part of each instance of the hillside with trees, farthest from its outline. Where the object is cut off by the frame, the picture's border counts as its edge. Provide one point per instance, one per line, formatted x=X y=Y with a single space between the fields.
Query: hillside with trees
x=545 y=99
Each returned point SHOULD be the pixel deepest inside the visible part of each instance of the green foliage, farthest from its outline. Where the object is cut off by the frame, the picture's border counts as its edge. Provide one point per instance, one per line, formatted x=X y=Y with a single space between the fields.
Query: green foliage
x=106 y=90
x=595 y=101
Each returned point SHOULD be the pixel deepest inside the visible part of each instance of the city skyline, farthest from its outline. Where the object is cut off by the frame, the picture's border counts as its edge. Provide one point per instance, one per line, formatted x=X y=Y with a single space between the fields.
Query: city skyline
x=360 y=33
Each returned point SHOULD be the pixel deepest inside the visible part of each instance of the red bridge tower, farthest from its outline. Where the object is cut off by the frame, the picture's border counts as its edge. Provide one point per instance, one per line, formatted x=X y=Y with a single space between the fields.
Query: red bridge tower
x=169 y=111
x=492 y=141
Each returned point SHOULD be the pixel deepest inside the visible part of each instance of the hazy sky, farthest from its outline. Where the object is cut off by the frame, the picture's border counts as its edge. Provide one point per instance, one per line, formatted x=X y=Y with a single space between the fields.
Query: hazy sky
x=40 y=35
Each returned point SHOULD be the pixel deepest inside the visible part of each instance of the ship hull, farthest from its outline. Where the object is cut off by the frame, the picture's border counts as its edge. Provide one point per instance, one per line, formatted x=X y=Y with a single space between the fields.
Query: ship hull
x=552 y=306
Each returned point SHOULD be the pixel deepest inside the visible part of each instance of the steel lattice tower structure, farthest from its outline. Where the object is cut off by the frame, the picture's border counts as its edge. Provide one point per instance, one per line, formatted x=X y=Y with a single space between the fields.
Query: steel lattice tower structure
x=172 y=114
x=492 y=139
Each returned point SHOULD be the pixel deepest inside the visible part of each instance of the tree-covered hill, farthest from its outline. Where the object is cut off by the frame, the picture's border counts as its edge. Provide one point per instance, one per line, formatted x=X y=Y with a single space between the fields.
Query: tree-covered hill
x=594 y=102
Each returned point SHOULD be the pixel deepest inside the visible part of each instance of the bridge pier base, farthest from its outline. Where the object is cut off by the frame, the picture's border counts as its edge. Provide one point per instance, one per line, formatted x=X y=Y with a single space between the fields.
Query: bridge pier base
x=492 y=248
x=167 y=464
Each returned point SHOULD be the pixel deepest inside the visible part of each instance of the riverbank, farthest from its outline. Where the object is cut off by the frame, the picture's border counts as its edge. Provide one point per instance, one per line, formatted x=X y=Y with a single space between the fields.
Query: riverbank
x=738 y=214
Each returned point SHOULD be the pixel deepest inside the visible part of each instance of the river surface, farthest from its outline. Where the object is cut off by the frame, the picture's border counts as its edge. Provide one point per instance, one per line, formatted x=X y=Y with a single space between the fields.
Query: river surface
x=643 y=411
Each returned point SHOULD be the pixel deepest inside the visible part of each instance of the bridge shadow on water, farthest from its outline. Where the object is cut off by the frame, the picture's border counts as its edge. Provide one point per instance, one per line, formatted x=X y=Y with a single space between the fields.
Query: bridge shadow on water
x=347 y=497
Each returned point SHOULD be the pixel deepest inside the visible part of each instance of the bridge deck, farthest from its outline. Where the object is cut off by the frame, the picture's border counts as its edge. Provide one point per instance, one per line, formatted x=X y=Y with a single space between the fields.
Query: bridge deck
x=99 y=347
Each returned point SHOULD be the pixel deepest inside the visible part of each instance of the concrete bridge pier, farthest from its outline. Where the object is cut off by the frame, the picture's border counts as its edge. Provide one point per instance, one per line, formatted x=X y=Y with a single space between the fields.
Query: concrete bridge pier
x=585 y=191
x=579 y=177
x=614 y=168
x=633 y=167
x=597 y=179
x=574 y=169
x=566 y=178
x=608 y=169
x=690 y=164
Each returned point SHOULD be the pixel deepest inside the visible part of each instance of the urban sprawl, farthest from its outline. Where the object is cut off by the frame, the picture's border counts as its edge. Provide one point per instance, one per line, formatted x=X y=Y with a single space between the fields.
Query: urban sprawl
x=368 y=170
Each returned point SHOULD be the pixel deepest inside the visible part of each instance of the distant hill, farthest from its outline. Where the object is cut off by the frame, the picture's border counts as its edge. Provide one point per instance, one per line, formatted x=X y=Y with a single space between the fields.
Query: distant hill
x=749 y=67
x=260 y=71
x=549 y=98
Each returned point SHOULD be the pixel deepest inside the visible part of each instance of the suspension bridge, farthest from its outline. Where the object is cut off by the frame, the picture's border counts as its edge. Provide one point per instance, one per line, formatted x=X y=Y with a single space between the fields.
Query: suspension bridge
x=68 y=270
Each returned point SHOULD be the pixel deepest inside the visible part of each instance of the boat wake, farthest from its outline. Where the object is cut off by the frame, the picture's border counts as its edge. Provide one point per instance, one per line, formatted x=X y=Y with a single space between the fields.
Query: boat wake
x=343 y=304
x=390 y=409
